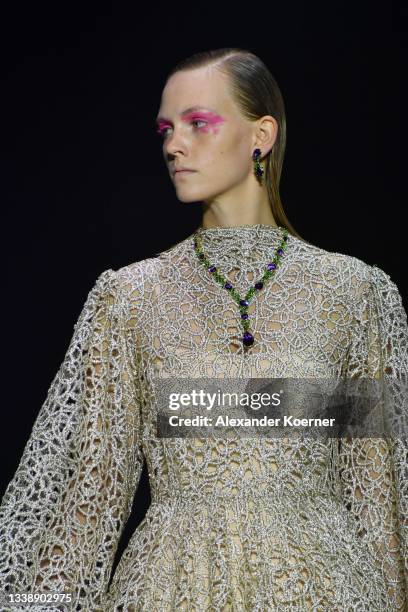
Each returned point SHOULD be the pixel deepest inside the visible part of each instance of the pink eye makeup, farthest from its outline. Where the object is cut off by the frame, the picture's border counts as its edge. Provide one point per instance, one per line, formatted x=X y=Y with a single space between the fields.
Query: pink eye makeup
x=211 y=120
x=162 y=127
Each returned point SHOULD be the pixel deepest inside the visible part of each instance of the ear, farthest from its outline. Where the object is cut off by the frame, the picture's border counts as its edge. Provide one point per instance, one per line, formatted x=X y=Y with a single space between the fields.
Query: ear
x=266 y=132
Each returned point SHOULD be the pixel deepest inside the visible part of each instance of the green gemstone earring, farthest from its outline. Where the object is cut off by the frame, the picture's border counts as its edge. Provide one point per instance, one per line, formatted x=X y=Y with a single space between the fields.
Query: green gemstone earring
x=259 y=171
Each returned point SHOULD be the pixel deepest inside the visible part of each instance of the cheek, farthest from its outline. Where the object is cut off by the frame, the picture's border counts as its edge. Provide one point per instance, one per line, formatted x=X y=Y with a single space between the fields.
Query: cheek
x=234 y=152
x=219 y=148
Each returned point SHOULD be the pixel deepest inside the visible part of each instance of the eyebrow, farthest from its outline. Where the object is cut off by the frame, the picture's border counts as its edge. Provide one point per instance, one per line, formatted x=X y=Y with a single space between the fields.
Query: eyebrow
x=186 y=111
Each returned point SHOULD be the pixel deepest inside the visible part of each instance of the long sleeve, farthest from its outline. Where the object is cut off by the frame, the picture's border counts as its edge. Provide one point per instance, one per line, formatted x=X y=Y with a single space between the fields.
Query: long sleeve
x=374 y=471
x=63 y=512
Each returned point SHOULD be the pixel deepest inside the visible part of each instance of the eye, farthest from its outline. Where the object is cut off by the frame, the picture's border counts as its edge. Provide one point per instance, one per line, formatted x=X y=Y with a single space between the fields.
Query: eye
x=199 y=121
x=162 y=131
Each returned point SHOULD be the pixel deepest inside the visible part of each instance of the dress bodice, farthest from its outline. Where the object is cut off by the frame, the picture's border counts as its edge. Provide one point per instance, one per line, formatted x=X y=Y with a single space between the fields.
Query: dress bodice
x=236 y=523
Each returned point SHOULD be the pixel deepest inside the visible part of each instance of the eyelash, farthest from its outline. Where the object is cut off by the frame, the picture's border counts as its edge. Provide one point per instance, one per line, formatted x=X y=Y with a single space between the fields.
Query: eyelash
x=162 y=131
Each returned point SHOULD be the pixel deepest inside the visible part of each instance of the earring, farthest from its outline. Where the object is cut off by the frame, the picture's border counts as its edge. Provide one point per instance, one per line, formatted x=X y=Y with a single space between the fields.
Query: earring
x=257 y=166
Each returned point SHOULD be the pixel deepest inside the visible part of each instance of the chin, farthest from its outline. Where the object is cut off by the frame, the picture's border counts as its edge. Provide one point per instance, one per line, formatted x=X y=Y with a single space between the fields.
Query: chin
x=187 y=200
x=189 y=194
x=189 y=197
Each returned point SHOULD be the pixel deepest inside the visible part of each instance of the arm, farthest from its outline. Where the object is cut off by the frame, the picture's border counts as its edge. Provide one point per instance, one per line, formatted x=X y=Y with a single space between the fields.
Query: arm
x=373 y=471
x=63 y=512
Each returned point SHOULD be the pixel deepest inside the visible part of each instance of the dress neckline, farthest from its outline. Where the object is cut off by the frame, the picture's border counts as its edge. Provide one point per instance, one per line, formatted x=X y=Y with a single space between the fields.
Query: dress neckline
x=244 y=244
x=246 y=228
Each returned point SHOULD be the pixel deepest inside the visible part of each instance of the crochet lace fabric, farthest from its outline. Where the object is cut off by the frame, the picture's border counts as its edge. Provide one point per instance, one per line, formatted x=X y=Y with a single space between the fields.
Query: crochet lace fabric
x=241 y=524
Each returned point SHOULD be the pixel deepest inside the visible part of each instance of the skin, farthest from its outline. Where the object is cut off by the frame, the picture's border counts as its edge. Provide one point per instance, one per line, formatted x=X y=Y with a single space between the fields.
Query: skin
x=217 y=144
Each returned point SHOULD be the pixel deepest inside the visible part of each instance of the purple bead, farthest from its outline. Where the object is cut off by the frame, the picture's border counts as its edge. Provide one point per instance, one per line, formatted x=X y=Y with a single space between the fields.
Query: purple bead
x=280 y=252
x=247 y=339
x=259 y=285
x=271 y=266
x=212 y=269
x=244 y=315
x=228 y=286
x=244 y=302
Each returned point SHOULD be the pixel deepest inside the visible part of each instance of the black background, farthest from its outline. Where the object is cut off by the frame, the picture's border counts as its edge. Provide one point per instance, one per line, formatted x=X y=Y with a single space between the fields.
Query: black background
x=84 y=184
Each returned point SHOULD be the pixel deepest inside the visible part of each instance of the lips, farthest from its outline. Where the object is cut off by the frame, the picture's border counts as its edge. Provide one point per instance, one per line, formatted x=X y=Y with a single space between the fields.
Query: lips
x=177 y=170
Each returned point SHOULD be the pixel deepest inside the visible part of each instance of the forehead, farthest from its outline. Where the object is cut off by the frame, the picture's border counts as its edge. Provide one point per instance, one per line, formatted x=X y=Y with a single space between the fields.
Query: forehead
x=200 y=87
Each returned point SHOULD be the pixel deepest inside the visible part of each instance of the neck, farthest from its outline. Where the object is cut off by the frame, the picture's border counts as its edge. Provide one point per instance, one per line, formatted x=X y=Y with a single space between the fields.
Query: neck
x=219 y=214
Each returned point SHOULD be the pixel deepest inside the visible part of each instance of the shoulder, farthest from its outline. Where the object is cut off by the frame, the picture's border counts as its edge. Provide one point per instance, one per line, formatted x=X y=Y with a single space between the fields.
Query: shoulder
x=348 y=276
x=139 y=277
x=337 y=270
x=317 y=258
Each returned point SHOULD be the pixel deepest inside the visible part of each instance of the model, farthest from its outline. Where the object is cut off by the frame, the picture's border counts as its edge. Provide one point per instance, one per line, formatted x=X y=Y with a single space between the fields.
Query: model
x=241 y=523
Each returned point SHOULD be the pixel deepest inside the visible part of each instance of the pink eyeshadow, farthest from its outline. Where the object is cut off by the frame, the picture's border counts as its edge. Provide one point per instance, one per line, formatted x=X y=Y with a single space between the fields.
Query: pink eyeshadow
x=163 y=124
x=214 y=121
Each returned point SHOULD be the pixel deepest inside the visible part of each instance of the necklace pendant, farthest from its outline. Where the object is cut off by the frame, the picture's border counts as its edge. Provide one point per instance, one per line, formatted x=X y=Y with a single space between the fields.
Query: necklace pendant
x=247 y=339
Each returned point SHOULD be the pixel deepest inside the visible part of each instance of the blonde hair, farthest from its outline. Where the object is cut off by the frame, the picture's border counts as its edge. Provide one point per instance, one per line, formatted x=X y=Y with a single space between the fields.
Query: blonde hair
x=256 y=93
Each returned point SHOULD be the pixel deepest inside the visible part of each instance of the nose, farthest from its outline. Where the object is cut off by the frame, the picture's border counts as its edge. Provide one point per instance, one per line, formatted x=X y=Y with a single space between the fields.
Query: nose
x=175 y=143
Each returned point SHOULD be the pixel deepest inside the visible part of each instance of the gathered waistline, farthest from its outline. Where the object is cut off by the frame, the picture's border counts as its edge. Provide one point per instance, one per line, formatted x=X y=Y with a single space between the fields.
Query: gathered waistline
x=207 y=497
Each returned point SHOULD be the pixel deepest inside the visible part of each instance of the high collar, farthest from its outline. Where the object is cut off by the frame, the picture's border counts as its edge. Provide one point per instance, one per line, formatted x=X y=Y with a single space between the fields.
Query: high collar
x=241 y=243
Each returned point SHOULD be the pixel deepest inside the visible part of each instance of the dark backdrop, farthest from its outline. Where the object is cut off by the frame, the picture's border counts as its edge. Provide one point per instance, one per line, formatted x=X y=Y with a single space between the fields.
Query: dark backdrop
x=84 y=185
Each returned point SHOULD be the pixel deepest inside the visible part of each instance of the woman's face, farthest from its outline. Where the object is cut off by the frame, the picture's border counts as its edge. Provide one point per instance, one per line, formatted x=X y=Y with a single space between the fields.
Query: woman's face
x=214 y=140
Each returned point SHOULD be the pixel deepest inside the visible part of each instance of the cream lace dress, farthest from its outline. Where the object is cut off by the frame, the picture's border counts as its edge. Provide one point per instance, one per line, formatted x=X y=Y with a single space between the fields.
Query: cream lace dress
x=245 y=524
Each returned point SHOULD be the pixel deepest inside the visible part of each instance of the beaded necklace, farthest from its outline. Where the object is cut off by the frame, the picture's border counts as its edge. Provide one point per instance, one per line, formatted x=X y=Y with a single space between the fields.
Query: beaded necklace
x=243 y=303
